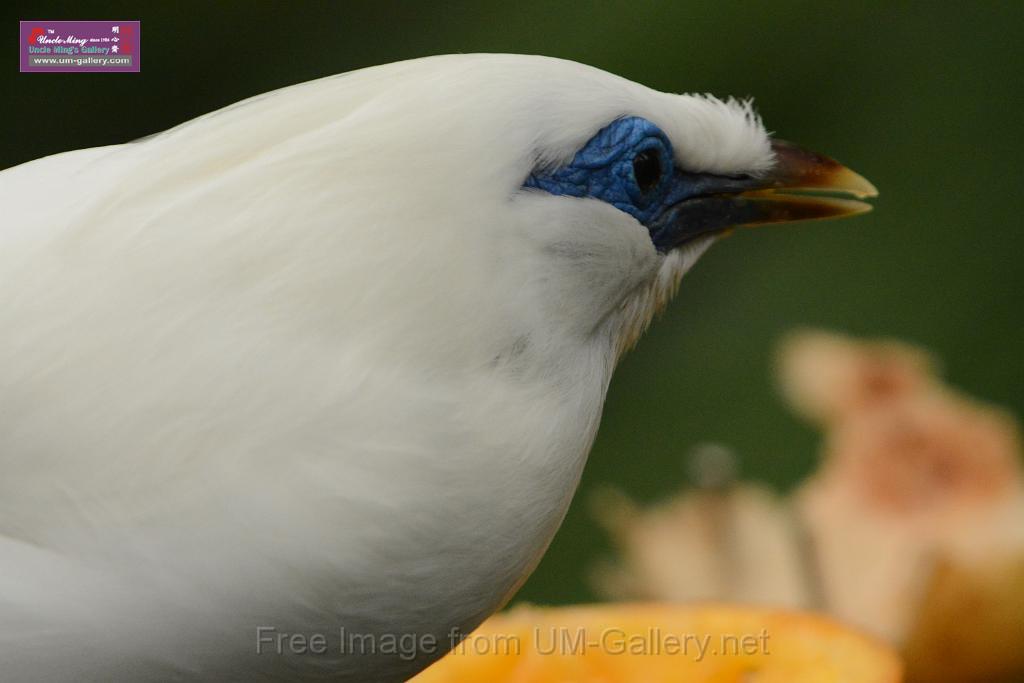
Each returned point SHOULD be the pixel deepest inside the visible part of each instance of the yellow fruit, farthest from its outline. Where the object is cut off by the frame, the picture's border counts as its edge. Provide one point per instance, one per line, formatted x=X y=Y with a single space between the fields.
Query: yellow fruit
x=660 y=643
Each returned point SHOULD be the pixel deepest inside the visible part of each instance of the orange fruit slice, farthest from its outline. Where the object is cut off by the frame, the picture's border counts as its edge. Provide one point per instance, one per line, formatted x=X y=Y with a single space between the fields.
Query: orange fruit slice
x=661 y=643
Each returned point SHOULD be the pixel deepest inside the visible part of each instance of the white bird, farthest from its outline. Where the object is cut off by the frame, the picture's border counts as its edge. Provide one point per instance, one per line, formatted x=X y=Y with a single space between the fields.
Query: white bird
x=328 y=362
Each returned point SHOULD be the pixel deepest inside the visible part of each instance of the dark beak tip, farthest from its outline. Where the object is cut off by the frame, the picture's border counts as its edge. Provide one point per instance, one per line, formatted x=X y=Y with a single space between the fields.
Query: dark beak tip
x=797 y=168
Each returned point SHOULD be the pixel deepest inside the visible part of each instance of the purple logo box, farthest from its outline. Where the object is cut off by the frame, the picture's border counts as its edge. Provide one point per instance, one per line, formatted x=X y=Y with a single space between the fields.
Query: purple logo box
x=80 y=46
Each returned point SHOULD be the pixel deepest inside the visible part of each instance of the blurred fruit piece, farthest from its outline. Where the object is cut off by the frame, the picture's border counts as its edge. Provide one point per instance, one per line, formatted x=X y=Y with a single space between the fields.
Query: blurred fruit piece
x=919 y=497
x=651 y=643
x=912 y=528
x=970 y=625
x=924 y=480
x=736 y=544
x=826 y=376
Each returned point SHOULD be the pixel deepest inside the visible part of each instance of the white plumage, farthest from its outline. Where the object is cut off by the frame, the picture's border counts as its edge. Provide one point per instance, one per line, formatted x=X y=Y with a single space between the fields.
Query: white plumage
x=314 y=360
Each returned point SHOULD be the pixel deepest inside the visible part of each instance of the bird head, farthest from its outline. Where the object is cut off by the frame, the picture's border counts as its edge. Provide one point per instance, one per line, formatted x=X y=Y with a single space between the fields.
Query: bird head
x=516 y=197
x=617 y=189
x=680 y=177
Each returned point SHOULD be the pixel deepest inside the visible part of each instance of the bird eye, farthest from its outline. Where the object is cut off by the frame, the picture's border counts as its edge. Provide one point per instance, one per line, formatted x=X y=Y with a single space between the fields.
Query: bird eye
x=647 y=170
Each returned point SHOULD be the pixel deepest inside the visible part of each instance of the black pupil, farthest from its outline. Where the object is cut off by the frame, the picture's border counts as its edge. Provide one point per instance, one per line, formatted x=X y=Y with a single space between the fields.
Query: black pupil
x=647 y=170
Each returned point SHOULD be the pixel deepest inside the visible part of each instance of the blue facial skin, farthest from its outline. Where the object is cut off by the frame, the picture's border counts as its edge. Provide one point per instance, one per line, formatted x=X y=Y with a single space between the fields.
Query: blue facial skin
x=675 y=206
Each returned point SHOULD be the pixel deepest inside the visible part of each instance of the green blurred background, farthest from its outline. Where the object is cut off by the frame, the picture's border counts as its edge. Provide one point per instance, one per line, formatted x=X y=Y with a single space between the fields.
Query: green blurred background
x=922 y=98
